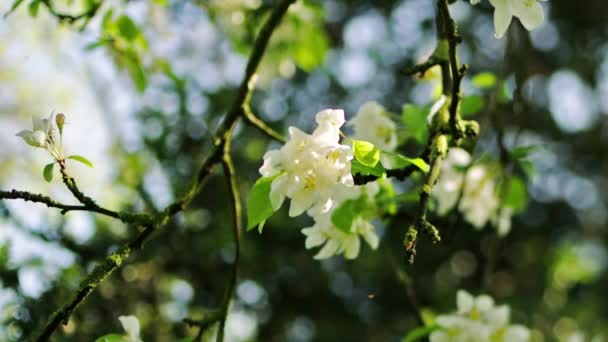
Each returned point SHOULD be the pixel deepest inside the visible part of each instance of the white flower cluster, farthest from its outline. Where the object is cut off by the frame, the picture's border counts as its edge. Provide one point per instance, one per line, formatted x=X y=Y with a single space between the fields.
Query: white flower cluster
x=479 y=320
x=473 y=188
x=314 y=172
x=131 y=326
x=529 y=12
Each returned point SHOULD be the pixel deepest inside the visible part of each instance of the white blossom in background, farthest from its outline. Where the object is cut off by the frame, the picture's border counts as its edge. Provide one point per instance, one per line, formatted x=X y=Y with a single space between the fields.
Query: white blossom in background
x=131 y=326
x=473 y=189
x=529 y=12
x=336 y=241
x=373 y=124
x=449 y=185
x=478 y=319
x=310 y=169
x=37 y=137
x=479 y=200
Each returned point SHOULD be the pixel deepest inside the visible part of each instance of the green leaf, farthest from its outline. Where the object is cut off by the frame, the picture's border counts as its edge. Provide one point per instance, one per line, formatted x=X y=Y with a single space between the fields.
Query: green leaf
x=522 y=151
x=95 y=45
x=47 y=173
x=127 y=28
x=113 y=338
x=259 y=207
x=357 y=167
x=419 y=333
x=81 y=159
x=398 y=161
x=33 y=8
x=311 y=46
x=366 y=153
x=515 y=194
x=527 y=166
x=161 y=2
x=344 y=215
x=484 y=80
x=138 y=75
x=471 y=105
x=415 y=119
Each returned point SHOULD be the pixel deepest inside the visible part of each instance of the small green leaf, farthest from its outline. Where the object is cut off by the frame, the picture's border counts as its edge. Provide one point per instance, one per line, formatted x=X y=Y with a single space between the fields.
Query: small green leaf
x=48 y=172
x=366 y=153
x=127 y=28
x=33 y=8
x=419 y=333
x=398 y=161
x=95 y=45
x=357 y=167
x=161 y=2
x=415 y=120
x=259 y=207
x=484 y=80
x=344 y=215
x=471 y=105
x=113 y=338
x=515 y=194
x=81 y=159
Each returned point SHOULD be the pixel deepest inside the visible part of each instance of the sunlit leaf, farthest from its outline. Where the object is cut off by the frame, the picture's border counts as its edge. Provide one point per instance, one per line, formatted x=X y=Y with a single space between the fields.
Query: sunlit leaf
x=471 y=105
x=398 y=161
x=366 y=153
x=415 y=120
x=484 y=80
x=377 y=170
x=259 y=207
x=81 y=159
x=419 y=333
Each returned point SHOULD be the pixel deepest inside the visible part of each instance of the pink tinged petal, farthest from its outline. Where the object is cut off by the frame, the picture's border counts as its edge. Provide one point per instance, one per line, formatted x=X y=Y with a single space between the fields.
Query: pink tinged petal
x=351 y=247
x=300 y=201
x=502 y=17
x=329 y=250
x=464 y=301
x=277 y=191
x=529 y=12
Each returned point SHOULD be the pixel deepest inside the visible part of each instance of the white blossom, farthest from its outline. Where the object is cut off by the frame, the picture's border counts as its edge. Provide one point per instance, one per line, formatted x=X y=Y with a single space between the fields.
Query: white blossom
x=479 y=201
x=478 y=319
x=448 y=188
x=310 y=168
x=529 y=12
x=131 y=326
x=373 y=124
x=336 y=241
x=38 y=136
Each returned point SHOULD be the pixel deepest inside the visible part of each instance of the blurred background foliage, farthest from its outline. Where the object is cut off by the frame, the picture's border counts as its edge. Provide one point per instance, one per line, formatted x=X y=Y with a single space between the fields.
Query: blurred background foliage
x=144 y=84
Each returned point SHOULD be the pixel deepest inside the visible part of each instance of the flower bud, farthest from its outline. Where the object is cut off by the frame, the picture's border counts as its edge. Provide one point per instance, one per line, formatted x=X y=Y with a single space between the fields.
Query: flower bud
x=60 y=120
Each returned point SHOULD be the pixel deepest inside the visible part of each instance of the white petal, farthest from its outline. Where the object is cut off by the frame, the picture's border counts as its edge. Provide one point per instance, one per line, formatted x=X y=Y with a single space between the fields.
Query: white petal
x=333 y=117
x=484 y=303
x=440 y=336
x=301 y=201
x=529 y=12
x=329 y=250
x=272 y=159
x=464 y=301
x=131 y=326
x=517 y=333
x=502 y=17
x=278 y=188
x=436 y=107
x=314 y=237
x=351 y=247
x=498 y=317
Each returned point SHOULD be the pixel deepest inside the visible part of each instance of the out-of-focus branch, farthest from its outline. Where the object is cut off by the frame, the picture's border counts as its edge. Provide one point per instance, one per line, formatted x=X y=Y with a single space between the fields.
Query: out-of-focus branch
x=230 y=175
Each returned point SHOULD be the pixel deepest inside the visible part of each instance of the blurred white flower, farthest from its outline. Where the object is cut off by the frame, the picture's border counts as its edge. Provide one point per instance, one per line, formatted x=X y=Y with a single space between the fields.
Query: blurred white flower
x=310 y=168
x=473 y=188
x=373 y=124
x=131 y=326
x=529 y=12
x=478 y=319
